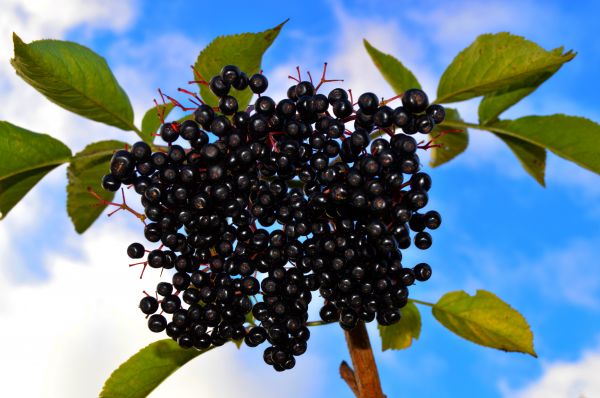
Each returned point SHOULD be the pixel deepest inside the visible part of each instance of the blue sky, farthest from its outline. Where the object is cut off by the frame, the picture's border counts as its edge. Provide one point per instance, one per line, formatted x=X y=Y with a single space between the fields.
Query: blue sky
x=536 y=248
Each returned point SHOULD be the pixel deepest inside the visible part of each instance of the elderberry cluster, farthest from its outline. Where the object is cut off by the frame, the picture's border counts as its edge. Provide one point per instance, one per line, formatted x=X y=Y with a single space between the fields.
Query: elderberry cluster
x=256 y=210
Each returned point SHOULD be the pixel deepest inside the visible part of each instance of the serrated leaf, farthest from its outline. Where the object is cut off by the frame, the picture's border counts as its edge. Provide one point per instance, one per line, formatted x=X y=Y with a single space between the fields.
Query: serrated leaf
x=26 y=158
x=143 y=372
x=75 y=78
x=486 y=320
x=574 y=138
x=497 y=62
x=453 y=141
x=243 y=50
x=393 y=71
x=401 y=334
x=492 y=105
x=151 y=121
x=86 y=170
x=532 y=157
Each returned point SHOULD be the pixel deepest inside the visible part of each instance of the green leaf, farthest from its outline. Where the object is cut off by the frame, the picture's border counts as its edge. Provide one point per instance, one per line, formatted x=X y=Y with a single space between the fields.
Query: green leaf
x=244 y=50
x=144 y=371
x=532 y=157
x=401 y=334
x=151 y=121
x=86 y=170
x=497 y=62
x=486 y=320
x=574 y=138
x=453 y=142
x=393 y=71
x=492 y=105
x=26 y=158
x=74 y=77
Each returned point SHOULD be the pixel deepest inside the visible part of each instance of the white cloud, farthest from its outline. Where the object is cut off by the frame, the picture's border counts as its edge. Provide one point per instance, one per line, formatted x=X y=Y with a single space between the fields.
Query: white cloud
x=73 y=330
x=40 y=19
x=562 y=379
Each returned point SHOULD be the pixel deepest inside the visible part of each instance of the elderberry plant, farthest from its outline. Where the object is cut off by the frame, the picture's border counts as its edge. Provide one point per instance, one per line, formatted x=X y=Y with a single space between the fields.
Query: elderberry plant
x=254 y=209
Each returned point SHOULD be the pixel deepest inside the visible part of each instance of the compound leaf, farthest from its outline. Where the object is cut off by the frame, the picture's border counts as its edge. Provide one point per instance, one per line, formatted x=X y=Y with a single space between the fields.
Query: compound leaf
x=393 y=71
x=574 y=138
x=85 y=171
x=243 y=50
x=452 y=141
x=486 y=320
x=26 y=158
x=401 y=334
x=75 y=78
x=498 y=63
x=142 y=373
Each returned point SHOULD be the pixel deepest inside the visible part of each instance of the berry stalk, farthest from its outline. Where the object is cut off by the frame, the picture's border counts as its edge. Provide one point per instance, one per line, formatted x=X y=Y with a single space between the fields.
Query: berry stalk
x=366 y=375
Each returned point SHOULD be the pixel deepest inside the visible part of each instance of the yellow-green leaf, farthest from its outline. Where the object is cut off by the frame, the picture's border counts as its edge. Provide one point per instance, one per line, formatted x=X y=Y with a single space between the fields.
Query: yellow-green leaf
x=532 y=157
x=486 y=320
x=26 y=158
x=495 y=63
x=452 y=141
x=492 y=105
x=243 y=50
x=574 y=138
x=86 y=170
x=151 y=121
x=142 y=373
x=74 y=77
x=393 y=71
x=401 y=334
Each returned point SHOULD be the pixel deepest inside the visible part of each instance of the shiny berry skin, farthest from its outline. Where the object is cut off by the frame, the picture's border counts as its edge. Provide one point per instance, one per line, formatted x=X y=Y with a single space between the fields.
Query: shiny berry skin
x=304 y=89
x=141 y=151
x=230 y=74
x=342 y=108
x=422 y=272
x=110 y=183
x=437 y=113
x=241 y=83
x=135 y=250
x=258 y=83
x=368 y=103
x=424 y=124
x=218 y=86
x=423 y=240
x=432 y=219
x=122 y=164
x=383 y=117
x=401 y=117
x=329 y=313
x=148 y=305
x=157 y=323
x=415 y=100
x=228 y=105
x=168 y=132
x=336 y=95
x=204 y=115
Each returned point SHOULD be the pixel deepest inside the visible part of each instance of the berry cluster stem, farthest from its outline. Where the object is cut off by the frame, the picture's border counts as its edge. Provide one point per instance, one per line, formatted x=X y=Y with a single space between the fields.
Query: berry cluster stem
x=364 y=379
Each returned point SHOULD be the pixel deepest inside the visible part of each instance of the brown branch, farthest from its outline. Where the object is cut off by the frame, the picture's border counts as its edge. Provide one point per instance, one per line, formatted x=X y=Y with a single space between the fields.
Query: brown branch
x=365 y=369
x=348 y=375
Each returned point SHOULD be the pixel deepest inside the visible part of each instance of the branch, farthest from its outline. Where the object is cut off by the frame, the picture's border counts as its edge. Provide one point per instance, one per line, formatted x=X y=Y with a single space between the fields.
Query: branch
x=348 y=375
x=366 y=375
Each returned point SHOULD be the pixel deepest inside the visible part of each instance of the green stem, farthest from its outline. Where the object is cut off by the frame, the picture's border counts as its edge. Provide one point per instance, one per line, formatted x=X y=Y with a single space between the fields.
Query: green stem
x=421 y=302
x=319 y=323
x=493 y=129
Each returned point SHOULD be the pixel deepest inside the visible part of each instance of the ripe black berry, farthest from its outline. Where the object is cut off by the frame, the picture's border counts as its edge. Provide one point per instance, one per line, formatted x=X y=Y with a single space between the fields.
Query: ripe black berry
x=258 y=83
x=135 y=250
x=415 y=100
